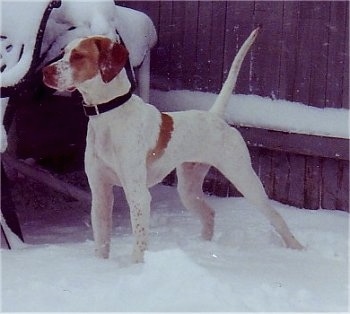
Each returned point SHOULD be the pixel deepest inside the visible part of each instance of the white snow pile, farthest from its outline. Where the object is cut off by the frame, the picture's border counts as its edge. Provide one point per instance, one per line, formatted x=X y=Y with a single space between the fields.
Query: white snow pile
x=245 y=268
x=20 y=21
x=262 y=112
x=76 y=19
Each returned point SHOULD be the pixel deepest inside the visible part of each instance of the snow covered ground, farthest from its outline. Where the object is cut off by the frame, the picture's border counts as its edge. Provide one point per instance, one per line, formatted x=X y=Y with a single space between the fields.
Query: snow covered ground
x=245 y=267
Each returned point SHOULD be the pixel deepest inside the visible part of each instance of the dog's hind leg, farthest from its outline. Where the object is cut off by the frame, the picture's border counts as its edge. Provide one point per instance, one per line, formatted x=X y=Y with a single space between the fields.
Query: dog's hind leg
x=235 y=165
x=190 y=181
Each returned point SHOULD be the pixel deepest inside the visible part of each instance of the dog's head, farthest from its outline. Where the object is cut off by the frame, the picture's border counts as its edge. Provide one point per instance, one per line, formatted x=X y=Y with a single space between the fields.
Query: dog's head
x=85 y=59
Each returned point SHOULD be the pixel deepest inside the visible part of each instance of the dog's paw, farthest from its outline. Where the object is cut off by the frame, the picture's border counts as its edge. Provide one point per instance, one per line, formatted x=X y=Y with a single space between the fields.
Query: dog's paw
x=207 y=233
x=102 y=251
x=137 y=256
x=296 y=246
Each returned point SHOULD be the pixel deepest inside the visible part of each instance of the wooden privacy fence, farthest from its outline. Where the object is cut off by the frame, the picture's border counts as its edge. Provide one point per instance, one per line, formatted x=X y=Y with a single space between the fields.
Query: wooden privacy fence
x=301 y=55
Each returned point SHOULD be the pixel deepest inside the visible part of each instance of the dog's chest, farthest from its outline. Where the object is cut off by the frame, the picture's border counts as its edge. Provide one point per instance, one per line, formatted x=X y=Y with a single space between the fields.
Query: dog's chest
x=130 y=132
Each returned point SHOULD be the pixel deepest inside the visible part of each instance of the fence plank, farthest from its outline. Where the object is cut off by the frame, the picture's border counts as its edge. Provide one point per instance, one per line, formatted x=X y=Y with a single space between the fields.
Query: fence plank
x=336 y=49
x=346 y=103
x=297 y=181
x=281 y=180
x=319 y=28
x=265 y=81
x=203 y=46
x=221 y=185
x=176 y=52
x=266 y=173
x=304 y=62
x=343 y=186
x=329 y=183
x=165 y=30
x=239 y=24
x=190 y=49
x=289 y=48
x=312 y=180
x=217 y=39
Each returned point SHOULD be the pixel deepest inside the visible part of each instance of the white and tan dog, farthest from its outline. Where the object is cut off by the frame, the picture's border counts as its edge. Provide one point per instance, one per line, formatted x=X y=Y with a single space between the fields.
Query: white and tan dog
x=135 y=146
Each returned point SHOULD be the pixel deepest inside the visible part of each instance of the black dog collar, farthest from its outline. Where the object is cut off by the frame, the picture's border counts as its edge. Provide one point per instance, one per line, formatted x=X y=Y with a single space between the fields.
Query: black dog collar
x=101 y=108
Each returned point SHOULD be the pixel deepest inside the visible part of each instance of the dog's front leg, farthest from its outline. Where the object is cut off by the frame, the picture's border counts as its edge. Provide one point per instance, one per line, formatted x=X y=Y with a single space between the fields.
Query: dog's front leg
x=101 y=216
x=139 y=200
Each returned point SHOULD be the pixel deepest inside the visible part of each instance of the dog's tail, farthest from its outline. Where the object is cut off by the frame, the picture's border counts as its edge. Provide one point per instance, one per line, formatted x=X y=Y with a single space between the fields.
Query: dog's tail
x=223 y=98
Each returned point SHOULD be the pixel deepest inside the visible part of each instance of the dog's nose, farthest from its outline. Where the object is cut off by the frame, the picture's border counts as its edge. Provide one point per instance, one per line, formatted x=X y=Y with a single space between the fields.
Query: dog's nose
x=48 y=71
x=49 y=74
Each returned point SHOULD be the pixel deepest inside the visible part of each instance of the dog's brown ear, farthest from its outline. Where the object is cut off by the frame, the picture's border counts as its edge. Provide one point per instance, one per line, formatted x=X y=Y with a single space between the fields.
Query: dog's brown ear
x=112 y=58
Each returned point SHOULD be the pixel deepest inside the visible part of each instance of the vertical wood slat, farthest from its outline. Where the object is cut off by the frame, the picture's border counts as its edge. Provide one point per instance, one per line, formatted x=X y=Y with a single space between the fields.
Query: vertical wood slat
x=176 y=53
x=281 y=180
x=221 y=186
x=217 y=38
x=329 y=183
x=289 y=49
x=266 y=171
x=268 y=48
x=189 y=48
x=312 y=183
x=164 y=39
x=343 y=186
x=346 y=103
x=239 y=17
x=203 y=46
x=336 y=53
x=320 y=19
x=297 y=181
x=303 y=62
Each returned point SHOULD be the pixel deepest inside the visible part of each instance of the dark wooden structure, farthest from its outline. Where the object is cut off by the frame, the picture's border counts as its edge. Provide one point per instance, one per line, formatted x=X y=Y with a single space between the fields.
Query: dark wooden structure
x=301 y=55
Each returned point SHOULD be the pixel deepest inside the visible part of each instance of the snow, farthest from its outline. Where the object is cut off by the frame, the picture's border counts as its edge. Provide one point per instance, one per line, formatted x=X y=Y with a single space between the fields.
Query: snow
x=20 y=22
x=3 y=137
x=261 y=112
x=73 y=19
x=245 y=267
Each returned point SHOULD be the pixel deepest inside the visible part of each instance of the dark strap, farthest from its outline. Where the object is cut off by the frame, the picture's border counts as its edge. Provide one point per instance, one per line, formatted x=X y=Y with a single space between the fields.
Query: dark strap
x=101 y=108
x=127 y=67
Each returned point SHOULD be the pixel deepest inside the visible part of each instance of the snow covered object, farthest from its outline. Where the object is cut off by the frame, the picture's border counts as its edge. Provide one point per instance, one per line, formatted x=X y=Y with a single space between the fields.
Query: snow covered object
x=56 y=28
x=20 y=42
x=78 y=19
x=44 y=28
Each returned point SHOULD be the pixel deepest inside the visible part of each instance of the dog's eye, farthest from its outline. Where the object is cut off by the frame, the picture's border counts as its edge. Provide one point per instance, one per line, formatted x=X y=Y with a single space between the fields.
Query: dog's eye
x=77 y=56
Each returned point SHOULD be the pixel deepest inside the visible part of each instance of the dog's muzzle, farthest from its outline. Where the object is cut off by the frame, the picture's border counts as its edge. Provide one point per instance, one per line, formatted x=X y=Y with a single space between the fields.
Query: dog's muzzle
x=58 y=76
x=50 y=76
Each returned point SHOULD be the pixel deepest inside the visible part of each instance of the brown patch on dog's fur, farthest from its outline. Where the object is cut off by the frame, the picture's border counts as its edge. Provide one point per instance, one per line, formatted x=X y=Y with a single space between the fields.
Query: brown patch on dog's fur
x=97 y=54
x=84 y=61
x=166 y=128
